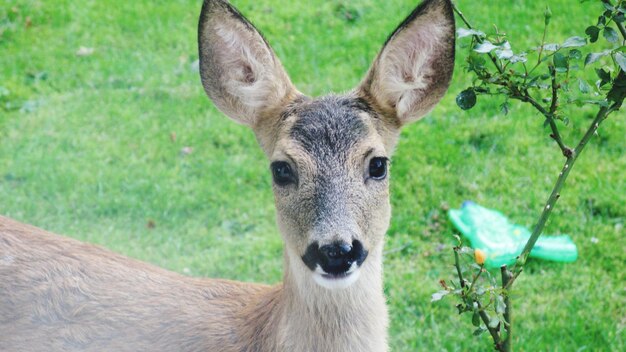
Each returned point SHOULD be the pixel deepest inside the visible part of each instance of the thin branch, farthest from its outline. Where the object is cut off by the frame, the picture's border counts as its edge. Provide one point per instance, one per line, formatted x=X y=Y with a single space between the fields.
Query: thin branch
x=621 y=28
x=477 y=38
x=476 y=278
x=458 y=266
x=556 y=192
x=526 y=97
x=620 y=25
x=567 y=152
x=543 y=42
x=485 y=318
x=508 y=323
x=555 y=91
x=495 y=335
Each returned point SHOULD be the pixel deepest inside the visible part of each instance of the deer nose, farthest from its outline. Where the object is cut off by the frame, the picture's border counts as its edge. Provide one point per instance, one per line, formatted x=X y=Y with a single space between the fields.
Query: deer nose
x=336 y=250
x=336 y=258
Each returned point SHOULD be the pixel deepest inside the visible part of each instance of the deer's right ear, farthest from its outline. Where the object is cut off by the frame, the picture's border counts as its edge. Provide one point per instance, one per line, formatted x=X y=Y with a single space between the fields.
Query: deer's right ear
x=413 y=70
x=239 y=70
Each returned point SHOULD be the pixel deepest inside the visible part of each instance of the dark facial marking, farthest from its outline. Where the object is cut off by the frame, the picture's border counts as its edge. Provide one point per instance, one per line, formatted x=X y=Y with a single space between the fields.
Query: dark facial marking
x=330 y=126
x=336 y=258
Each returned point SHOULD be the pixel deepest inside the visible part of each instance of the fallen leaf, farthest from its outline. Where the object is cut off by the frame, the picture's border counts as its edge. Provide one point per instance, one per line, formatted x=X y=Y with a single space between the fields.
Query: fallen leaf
x=84 y=51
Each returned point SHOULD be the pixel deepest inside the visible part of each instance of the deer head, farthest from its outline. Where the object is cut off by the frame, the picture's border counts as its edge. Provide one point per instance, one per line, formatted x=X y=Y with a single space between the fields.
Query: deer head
x=329 y=156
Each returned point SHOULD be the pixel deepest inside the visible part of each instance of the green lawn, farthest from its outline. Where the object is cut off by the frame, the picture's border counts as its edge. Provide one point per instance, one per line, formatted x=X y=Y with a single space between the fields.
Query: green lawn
x=93 y=147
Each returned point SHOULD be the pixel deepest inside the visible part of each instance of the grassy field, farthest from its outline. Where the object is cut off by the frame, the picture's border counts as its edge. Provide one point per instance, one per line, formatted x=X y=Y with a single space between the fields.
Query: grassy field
x=121 y=147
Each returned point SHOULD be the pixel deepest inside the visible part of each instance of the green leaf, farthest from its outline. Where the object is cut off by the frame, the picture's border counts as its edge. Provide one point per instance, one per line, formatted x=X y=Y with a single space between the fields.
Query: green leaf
x=461 y=308
x=504 y=51
x=593 y=57
x=620 y=58
x=475 y=62
x=466 y=99
x=618 y=91
x=437 y=296
x=518 y=58
x=500 y=305
x=575 y=54
x=574 y=42
x=610 y=34
x=583 y=86
x=580 y=102
x=484 y=47
x=608 y=7
x=551 y=47
x=561 y=62
x=479 y=331
x=476 y=319
x=463 y=32
x=593 y=32
x=493 y=322
x=605 y=77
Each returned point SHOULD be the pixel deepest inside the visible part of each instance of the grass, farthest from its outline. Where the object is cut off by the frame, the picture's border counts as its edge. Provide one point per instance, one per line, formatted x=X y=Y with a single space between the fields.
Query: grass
x=93 y=147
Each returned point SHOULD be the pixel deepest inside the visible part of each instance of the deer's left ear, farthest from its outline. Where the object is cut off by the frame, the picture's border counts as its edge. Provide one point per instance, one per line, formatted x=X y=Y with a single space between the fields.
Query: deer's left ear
x=239 y=70
x=413 y=70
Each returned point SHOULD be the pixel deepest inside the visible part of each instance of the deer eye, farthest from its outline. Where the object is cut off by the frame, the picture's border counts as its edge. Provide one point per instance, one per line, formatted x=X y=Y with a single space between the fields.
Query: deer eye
x=378 y=168
x=282 y=173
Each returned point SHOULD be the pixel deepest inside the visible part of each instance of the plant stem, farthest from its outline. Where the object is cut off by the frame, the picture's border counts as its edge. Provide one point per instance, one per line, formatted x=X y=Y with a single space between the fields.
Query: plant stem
x=543 y=42
x=495 y=335
x=526 y=97
x=483 y=316
x=508 y=323
x=620 y=25
x=553 y=107
x=477 y=38
x=515 y=94
x=621 y=28
x=476 y=278
x=457 y=264
x=556 y=191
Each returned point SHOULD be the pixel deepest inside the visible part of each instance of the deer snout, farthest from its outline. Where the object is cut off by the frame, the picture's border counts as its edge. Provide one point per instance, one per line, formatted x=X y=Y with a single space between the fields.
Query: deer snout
x=336 y=251
x=336 y=260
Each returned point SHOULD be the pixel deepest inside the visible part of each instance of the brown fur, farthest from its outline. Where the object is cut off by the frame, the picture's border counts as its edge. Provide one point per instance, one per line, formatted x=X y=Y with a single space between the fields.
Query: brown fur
x=58 y=294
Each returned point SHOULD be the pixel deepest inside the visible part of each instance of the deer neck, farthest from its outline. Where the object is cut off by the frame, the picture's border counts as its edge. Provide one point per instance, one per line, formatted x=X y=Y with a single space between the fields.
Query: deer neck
x=314 y=318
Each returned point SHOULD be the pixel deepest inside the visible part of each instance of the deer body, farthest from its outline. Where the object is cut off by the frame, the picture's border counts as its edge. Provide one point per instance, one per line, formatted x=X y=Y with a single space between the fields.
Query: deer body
x=328 y=158
x=59 y=294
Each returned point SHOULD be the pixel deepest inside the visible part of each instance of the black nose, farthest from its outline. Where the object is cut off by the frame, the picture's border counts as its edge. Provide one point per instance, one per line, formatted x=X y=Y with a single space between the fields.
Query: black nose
x=336 y=250
x=335 y=258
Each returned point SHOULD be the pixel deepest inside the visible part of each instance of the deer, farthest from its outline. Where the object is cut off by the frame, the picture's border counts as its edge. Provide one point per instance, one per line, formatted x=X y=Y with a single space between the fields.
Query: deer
x=329 y=160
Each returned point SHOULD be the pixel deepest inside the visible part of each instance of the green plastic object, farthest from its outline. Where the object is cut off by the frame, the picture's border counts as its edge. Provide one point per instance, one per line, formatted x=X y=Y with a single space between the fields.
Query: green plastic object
x=502 y=241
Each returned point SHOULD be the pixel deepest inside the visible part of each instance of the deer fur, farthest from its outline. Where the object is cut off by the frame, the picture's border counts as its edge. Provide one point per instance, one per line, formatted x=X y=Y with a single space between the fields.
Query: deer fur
x=328 y=158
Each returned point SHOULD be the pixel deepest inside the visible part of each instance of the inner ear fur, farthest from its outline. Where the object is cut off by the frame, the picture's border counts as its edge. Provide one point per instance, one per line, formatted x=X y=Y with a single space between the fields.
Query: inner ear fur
x=413 y=69
x=239 y=70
